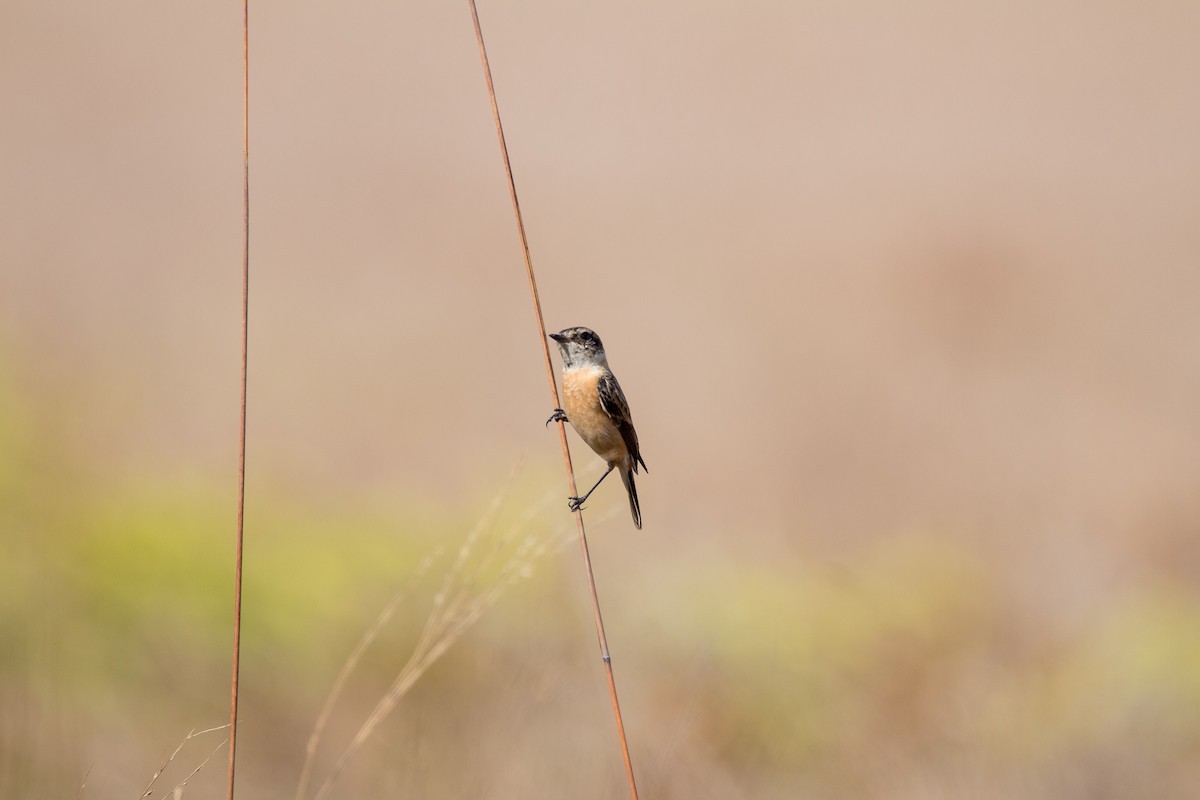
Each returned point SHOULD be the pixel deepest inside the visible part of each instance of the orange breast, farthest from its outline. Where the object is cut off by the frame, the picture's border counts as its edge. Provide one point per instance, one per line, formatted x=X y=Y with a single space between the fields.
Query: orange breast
x=581 y=401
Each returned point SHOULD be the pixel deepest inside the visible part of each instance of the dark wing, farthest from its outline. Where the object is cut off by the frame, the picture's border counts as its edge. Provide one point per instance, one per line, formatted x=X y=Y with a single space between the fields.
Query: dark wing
x=613 y=401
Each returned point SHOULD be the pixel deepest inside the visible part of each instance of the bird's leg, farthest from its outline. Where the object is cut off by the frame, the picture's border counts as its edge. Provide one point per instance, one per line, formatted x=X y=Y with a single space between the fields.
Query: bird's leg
x=558 y=416
x=576 y=502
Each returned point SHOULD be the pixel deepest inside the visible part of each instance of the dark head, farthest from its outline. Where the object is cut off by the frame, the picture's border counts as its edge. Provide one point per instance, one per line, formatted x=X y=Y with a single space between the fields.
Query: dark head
x=580 y=347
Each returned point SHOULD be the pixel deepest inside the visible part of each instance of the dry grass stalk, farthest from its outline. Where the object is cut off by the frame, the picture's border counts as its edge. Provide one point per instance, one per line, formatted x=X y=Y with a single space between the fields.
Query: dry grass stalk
x=177 y=792
x=83 y=785
x=469 y=587
x=192 y=734
x=368 y=637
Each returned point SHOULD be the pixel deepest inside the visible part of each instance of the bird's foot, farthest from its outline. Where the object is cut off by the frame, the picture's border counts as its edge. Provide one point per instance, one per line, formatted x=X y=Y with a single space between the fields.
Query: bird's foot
x=575 y=503
x=558 y=416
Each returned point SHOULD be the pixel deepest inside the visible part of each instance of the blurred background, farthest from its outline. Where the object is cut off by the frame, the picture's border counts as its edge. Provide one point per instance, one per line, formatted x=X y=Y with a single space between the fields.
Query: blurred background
x=903 y=297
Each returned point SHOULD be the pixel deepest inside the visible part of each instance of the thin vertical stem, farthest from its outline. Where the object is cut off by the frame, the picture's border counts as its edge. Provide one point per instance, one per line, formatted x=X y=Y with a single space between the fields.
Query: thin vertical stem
x=562 y=431
x=241 y=511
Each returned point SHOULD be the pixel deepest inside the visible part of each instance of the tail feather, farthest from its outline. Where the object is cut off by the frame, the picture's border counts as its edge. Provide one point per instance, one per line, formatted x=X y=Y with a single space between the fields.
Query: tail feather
x=627 y=478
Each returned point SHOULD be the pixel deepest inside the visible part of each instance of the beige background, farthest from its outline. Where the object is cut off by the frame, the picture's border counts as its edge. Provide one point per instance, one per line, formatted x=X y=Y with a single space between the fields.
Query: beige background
x=869 y=273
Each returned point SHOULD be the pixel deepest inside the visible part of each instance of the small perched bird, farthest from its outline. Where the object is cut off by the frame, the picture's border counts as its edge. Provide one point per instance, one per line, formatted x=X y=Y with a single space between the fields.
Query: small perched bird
x=596 y=408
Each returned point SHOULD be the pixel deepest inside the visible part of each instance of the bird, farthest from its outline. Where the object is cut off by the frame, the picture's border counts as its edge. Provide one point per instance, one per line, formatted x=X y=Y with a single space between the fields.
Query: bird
x=597 y=409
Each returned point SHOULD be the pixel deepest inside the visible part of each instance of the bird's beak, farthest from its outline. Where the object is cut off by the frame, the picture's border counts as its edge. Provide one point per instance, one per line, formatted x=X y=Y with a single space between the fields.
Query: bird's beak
x=558 y=337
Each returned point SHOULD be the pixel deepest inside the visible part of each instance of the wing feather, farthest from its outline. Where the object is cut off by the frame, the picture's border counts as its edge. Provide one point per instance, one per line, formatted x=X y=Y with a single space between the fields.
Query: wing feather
x=613 y=401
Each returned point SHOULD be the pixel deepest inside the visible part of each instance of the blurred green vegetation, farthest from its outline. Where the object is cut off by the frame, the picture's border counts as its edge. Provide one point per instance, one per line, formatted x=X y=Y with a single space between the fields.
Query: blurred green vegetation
x=905 y=665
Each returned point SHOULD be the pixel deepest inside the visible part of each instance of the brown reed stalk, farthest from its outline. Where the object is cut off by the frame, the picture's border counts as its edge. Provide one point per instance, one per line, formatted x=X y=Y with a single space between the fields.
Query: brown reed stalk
x=562 y=431
x=237 y=562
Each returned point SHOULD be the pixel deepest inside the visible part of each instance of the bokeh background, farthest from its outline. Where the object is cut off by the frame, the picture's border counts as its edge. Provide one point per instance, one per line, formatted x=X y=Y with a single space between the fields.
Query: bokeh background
x=904 y=298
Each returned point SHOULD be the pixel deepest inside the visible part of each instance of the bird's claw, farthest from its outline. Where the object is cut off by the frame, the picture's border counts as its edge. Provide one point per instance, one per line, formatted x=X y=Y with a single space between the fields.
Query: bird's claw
x=575 y=503
x=558 y=416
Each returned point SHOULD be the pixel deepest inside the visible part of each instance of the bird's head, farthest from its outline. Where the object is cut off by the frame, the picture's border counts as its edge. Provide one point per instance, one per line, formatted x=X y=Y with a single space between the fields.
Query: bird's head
x=580 y=347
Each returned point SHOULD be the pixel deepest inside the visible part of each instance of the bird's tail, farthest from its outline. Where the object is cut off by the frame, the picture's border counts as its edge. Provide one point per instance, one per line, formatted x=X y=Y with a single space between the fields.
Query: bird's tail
x=627 y=478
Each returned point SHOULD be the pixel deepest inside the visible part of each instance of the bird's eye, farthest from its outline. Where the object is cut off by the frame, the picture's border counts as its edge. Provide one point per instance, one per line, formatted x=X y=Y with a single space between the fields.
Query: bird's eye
x=586 y=336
